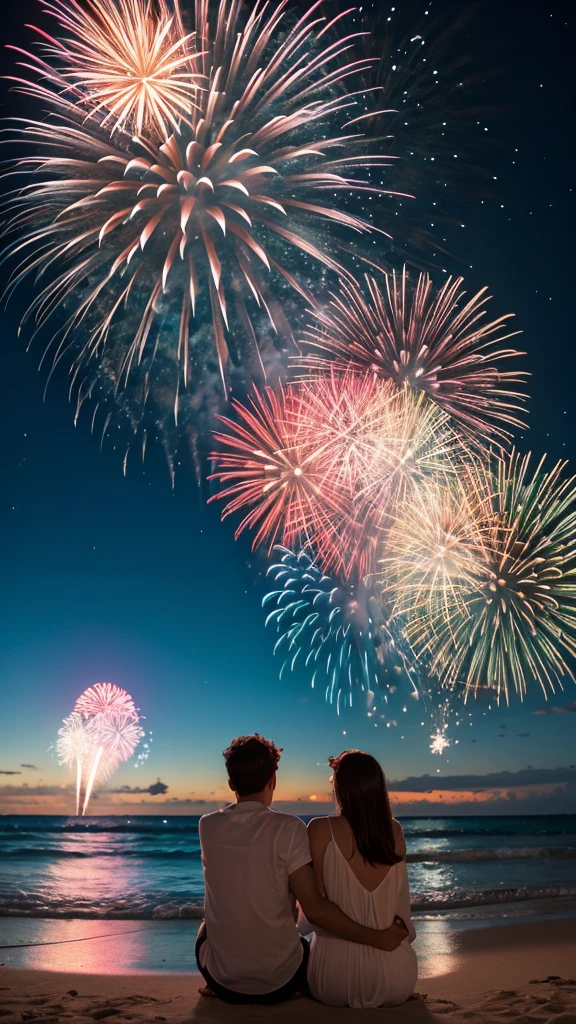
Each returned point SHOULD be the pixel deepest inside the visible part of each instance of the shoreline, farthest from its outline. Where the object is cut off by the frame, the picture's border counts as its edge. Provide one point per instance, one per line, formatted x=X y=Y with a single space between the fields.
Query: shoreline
x=466 y=975
x=136 y=946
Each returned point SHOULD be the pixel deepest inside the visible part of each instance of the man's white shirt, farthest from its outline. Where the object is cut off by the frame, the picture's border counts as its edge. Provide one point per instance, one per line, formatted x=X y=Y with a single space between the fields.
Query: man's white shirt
x=248 y=852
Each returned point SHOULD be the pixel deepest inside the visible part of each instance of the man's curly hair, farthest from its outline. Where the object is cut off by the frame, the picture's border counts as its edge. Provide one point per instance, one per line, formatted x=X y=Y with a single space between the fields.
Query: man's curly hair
x=251 y=762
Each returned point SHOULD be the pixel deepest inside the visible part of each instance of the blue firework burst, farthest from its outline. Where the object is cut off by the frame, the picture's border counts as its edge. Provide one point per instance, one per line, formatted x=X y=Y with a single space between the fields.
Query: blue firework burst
x=337 y=630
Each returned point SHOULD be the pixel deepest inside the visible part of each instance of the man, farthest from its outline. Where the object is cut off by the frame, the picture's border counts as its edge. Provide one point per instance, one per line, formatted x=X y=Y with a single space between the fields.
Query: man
x=256 y=863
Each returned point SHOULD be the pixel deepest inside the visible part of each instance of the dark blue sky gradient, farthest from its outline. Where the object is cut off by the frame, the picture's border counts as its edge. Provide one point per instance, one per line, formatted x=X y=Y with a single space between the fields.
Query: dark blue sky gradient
x=106 y=577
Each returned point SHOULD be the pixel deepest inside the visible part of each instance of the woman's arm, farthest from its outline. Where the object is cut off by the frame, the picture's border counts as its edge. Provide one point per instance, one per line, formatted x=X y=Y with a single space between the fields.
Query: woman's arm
x=330 y=918
x=403 y=906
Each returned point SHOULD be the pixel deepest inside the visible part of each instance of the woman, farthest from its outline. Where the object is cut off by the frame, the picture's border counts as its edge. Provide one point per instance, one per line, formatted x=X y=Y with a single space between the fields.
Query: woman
x=359 y=858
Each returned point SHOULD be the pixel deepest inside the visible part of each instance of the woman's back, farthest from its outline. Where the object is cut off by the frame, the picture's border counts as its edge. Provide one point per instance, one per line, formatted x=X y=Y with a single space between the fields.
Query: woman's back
x=347 y=974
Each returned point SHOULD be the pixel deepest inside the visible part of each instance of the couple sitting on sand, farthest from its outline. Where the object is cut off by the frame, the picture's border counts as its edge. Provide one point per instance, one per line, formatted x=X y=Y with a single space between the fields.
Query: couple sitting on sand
x=347 y=872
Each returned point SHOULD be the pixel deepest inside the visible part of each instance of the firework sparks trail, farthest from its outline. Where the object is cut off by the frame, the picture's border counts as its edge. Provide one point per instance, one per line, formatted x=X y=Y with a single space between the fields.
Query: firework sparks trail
x=91 y=778
x=102 y=732
x=436 y=342
x=151 y=240
x=78 y=784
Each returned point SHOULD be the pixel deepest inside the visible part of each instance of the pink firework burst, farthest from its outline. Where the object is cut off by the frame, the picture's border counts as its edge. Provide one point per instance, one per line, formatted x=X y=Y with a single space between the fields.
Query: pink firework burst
x=322 y=464
x=100 y=734
x=344 y=422
x=269 y=471
x=105 y=698
x=117 y=734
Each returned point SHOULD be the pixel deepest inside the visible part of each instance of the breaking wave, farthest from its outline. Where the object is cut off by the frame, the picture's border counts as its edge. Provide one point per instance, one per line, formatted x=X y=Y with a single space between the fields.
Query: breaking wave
x=159 y=907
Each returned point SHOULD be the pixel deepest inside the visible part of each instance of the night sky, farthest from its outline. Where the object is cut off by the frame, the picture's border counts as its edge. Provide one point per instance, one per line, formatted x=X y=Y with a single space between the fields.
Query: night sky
x=107 y=577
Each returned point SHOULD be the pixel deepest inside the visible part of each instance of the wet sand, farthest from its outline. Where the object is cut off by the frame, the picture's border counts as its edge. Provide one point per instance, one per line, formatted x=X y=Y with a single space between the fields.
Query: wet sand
x=482 y=976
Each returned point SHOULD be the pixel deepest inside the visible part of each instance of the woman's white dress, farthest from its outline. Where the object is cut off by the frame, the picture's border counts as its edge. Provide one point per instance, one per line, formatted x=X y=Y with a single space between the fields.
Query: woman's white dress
x=344 y=973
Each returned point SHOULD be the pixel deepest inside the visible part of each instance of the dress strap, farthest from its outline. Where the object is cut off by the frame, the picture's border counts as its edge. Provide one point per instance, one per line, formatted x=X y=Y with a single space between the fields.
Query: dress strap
x=331 y=832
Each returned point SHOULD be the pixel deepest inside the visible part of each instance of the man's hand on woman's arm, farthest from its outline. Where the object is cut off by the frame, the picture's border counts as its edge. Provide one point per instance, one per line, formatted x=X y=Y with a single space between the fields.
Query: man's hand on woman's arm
x=330 y=918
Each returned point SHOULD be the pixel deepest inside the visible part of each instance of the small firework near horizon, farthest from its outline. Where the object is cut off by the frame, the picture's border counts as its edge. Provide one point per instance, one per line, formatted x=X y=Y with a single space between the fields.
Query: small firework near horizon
x=102 y=733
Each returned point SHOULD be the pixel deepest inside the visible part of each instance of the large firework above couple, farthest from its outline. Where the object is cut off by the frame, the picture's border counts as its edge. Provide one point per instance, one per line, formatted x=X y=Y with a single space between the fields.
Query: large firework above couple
x=197 y=220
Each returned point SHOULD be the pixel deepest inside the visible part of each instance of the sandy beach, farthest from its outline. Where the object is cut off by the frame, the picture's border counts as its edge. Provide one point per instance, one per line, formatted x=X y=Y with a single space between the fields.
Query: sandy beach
x=522 y=972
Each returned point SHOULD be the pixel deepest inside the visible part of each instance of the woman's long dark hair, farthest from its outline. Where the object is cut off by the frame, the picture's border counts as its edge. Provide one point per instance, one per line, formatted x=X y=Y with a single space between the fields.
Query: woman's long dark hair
x=360 y=790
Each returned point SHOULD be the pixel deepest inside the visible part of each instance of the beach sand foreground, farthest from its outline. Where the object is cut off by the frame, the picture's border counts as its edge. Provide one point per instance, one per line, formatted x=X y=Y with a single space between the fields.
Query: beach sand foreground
x=173 y=999
x=525 y=973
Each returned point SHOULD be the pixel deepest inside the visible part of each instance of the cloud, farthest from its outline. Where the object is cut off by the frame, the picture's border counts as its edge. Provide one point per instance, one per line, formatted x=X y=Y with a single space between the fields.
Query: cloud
x=529 y=791
x=320 y=798
x=26 y=791
x=493 y=780
x=156 y=789
x=31 y=766
x=566 y=709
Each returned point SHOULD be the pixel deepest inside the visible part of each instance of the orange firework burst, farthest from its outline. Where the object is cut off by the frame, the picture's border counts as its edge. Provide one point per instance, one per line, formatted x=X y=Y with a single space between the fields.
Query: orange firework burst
x=149 y=239
x=435 y=342
x=126 y=60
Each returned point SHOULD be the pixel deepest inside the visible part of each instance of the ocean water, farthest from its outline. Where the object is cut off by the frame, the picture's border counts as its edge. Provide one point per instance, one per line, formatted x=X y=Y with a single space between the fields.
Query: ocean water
x=149 y=867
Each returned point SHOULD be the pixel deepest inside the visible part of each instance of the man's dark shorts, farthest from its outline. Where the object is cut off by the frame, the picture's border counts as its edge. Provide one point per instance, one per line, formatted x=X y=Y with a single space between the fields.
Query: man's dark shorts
x=296 y=984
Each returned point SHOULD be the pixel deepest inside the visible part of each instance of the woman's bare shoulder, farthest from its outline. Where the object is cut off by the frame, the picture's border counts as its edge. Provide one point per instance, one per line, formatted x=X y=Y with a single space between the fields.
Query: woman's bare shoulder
x=319 y=837
x=316 y=826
